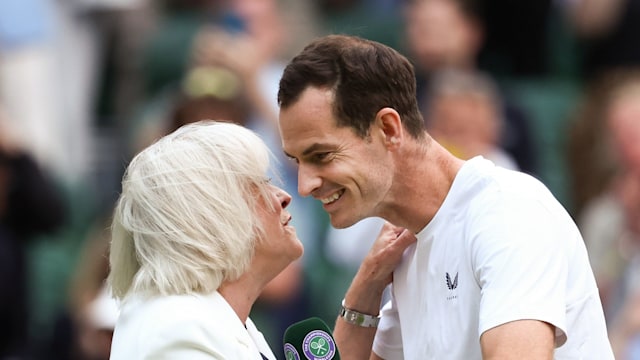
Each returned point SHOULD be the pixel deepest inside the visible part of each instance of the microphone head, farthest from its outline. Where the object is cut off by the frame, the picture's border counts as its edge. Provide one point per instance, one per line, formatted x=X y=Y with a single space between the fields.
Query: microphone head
x=310 y=339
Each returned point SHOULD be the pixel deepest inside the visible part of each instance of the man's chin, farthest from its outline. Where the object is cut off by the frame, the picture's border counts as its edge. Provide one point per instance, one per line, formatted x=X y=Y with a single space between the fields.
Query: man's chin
x=341 y=222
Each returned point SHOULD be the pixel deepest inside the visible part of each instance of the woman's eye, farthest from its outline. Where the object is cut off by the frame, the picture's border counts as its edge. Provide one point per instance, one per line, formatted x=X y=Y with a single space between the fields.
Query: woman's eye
x=293 y=159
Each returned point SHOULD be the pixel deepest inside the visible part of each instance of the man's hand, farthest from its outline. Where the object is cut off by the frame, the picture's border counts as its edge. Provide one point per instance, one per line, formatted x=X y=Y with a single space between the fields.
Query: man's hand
x=376 y=270
x=365 y=293
x=385 y=254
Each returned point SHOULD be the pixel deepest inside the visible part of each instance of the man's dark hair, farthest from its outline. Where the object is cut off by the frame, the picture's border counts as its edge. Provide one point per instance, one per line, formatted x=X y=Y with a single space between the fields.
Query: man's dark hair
x=365 y=76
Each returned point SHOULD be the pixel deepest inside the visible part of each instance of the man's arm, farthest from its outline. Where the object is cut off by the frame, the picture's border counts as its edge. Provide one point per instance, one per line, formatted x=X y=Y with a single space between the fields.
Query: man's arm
x=521 y=339
x=365 y=293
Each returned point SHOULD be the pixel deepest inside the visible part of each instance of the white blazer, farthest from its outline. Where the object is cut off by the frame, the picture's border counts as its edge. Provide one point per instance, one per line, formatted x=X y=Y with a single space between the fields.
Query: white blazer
x=185 y=327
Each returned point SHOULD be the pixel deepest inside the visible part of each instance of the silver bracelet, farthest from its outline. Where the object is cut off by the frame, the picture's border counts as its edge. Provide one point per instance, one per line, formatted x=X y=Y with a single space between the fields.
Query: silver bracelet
x=357 y=318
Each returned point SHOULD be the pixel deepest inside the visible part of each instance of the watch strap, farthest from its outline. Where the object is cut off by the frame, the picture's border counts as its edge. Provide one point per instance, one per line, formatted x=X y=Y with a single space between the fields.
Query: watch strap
x=357 y=318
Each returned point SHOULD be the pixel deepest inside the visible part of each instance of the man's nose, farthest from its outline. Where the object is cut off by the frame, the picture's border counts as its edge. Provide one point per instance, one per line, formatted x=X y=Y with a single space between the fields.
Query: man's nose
x=308 y=180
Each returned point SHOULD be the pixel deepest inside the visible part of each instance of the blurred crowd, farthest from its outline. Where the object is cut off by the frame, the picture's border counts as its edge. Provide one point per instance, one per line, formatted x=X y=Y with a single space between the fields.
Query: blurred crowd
x=551 y=88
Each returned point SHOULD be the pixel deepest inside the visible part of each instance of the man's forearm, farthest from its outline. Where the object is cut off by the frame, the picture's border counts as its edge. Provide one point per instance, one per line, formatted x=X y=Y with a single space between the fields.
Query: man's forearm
x=355 y=341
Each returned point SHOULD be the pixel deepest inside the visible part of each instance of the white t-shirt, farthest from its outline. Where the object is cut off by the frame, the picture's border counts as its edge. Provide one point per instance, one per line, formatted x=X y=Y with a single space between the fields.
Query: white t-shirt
x=499 y=249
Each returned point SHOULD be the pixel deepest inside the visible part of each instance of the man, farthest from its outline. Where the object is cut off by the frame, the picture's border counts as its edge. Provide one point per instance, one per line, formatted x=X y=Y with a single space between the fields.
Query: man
x=498 y=270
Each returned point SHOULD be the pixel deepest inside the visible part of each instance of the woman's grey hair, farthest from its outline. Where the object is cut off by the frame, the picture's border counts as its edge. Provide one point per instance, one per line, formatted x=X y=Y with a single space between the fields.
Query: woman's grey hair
x=185 y=221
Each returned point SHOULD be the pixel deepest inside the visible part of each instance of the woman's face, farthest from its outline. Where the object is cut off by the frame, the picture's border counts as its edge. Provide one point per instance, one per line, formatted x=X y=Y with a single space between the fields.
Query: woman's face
x=279 y=241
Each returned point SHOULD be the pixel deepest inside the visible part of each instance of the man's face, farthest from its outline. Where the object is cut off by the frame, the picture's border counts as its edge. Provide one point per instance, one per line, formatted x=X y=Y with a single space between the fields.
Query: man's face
x=348 y=174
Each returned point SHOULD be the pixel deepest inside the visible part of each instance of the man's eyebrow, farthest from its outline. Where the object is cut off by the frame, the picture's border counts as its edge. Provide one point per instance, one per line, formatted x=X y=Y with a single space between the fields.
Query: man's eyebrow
x=314 y=147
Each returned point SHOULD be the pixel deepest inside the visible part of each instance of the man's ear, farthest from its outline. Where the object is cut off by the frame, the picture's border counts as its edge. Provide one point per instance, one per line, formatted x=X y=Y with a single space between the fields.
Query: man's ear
x=390 y=126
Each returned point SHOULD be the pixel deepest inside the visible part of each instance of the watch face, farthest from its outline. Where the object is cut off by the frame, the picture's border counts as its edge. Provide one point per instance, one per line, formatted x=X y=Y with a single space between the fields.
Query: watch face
x=353 y=317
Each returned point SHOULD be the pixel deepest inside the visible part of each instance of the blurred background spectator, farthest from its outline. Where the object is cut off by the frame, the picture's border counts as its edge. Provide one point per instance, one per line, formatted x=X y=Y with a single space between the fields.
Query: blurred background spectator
x=84 y=329
x=624 y=293
x=607 y=31
x=605 y=151
x=30 y=205
x=450 y=35
x=27 y=78
x=464 y=114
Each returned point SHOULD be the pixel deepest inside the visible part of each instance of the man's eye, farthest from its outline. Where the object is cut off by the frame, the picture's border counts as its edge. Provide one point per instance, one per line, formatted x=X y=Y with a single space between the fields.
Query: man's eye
x=319 y=157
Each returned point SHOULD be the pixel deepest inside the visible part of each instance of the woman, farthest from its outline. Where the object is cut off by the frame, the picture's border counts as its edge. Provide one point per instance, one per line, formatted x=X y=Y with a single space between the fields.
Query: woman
x=198 y=232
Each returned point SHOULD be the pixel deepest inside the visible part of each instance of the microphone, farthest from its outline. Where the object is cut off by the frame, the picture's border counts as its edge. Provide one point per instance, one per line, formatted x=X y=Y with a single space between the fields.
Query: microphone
x=310 y=339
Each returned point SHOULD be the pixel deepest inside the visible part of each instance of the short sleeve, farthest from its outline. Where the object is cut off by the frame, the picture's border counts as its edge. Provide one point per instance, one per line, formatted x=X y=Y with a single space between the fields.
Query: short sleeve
x=388 y=340
x=519 y=260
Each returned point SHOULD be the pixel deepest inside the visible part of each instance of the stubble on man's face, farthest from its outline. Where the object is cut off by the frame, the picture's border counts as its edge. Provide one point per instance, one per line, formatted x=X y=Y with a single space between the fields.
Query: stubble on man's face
x=336 y=166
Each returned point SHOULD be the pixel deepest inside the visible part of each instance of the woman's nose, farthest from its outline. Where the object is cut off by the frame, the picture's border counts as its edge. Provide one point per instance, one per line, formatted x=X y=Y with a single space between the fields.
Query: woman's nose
x=284 y=197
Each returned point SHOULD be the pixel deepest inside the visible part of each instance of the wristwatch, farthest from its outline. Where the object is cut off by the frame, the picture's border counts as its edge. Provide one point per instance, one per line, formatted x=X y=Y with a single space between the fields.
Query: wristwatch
x=357 y=318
